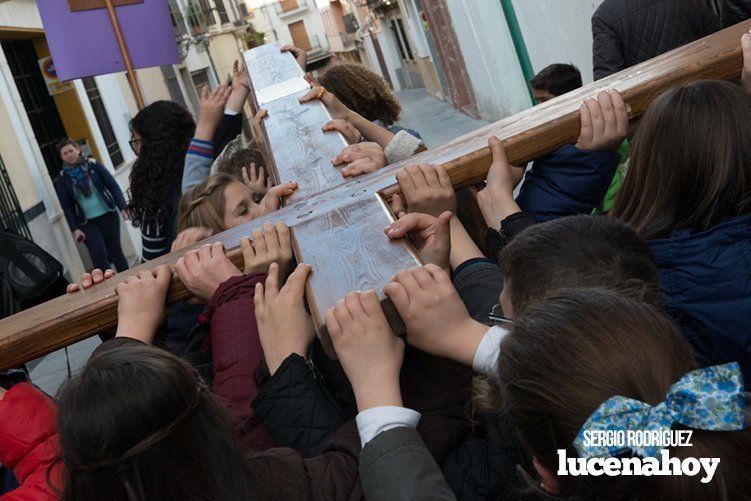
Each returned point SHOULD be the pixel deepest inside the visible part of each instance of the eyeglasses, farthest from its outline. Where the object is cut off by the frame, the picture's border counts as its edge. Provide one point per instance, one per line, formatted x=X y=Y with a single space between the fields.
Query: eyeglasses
x=496 y=316
x=133 y=142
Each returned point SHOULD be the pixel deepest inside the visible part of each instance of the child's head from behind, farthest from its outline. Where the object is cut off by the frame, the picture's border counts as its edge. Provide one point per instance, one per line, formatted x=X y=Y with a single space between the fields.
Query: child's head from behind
x=362 y=91
x=555 y=80
x=244 y=157
x=572 y=252
x=691 y=161
x=219 y=203
x=571 y=353
x=69 y=151
x=139 y=414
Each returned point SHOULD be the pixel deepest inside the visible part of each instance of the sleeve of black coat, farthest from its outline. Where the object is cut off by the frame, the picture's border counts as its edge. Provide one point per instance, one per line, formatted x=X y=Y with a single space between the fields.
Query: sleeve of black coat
x=66 y=203
x=711 y=22
x=396 y=465
x=479 y=283
x=297 y=410
x=484 y=467
x=230 y=127
x=734 y=11
x=332 y=475
x=111 y=184
x=607 y=49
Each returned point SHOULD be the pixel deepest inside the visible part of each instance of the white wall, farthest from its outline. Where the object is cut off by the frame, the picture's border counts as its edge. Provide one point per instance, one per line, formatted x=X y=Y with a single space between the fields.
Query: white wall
x=490 y=57
x=557 y=31
x=413 y=26
x=20 y=13
x=390 y=54
x=265 y=19
x=118 y=111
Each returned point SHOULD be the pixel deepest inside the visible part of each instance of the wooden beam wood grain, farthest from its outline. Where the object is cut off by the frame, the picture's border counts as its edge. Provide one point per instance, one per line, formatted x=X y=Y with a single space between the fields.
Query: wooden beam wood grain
x=526 y=135
x=79 y=5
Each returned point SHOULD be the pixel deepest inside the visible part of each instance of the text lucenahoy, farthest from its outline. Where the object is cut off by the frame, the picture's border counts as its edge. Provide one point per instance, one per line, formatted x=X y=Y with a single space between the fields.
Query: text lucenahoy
x=664 y=465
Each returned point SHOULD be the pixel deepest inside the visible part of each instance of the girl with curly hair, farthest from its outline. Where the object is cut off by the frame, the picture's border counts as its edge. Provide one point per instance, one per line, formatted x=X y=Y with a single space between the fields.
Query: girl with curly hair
x=364 y=92
x=161 y=133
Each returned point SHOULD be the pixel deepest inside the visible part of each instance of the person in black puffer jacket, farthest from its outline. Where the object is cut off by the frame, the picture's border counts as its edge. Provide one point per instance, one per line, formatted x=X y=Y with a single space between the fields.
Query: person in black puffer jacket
x=733 y=12
x=628 y=32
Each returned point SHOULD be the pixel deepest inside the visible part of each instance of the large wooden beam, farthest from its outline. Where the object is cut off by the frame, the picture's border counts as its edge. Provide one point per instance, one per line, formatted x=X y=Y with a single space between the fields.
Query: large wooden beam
x=526 y=135
x=347 y=242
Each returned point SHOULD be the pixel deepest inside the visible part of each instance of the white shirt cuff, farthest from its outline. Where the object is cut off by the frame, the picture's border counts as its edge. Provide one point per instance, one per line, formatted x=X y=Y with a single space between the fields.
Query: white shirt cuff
x=376 y=420
x=230 y=112
x=486 y=356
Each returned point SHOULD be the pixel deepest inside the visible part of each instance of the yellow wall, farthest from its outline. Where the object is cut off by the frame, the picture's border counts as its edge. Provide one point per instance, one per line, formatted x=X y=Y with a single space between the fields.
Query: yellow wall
x=15 y=163
x=224 y=51
x=69 y=107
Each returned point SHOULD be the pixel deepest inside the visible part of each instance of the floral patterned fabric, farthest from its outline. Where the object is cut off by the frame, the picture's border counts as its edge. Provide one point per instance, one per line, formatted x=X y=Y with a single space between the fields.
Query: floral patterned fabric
x=711 y=398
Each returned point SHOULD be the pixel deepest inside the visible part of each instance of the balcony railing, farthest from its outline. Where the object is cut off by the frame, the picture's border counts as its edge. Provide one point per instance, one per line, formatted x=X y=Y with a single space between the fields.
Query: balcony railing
x=348 y=39
x=286 y=8
x=314 y=44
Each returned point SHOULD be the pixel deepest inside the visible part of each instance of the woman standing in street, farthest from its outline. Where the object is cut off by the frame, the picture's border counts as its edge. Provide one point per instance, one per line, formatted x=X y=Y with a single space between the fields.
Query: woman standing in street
x=91 y=200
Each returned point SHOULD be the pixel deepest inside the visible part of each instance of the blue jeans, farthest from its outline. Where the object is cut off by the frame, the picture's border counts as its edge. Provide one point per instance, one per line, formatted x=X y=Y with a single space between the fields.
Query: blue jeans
x=103 y=241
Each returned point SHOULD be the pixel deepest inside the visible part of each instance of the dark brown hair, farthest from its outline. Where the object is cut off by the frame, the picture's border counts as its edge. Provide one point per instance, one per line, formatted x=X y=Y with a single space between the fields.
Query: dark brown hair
x=691 y=161
x=362 y=91
x=62 y=143
x=558 y=79
x=578 y=251
x=165 y=128
x=137 y=423
x=569 y=354
x=242 y=158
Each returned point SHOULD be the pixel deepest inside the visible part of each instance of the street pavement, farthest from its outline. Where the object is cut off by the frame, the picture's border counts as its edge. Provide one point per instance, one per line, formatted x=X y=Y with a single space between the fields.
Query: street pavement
x=436 y=121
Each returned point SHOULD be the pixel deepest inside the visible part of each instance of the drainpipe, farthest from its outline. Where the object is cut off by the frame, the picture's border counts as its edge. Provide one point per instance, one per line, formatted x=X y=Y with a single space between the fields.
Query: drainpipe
x=519 y=45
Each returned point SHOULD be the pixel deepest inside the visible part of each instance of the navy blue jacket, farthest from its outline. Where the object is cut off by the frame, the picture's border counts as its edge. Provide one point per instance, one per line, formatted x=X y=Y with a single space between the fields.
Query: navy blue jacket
x=105 y=185
x=705 y=280
x=567 y=182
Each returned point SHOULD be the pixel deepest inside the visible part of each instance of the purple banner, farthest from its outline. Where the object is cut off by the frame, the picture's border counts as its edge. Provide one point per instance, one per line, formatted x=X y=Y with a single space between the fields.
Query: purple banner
x=83 y=44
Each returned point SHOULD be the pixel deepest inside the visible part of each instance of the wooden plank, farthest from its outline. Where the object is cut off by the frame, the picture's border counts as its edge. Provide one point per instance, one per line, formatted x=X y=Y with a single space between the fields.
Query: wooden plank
x=299 y=149
x=348 y=248
x=349 y=239
x=544 y=128
x=79 y=5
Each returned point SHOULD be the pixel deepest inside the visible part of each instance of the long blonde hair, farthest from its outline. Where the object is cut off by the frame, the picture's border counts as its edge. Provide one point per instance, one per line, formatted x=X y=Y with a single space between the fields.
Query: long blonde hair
x=203 y=205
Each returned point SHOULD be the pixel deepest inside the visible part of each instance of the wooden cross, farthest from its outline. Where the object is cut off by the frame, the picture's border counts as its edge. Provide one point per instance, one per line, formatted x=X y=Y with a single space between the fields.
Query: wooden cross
x=337 y=224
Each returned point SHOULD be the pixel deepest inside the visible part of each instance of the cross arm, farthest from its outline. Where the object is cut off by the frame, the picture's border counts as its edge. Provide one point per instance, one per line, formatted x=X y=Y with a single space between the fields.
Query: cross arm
x=527 y=135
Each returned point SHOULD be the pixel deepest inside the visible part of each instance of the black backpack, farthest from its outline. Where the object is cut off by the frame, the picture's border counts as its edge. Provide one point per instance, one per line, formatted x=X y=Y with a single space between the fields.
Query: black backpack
x=28 y=269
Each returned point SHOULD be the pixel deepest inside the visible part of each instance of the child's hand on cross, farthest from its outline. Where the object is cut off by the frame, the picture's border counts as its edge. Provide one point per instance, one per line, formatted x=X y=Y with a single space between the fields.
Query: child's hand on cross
x=284 y=326
x=431 y=235
x=361 y=158
x=273 y=245
x=89 y=280
x=141 y=300
x=604 y=122
x=437 y=321
x=426 y=189
x=370 y=354
x=203 y=270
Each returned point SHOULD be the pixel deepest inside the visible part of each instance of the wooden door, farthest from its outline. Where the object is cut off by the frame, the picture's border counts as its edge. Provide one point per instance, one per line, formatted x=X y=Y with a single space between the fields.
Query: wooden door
x=299 y=35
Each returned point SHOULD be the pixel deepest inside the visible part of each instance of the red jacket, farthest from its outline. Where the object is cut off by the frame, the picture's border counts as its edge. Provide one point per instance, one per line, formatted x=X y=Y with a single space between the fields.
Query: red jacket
x=236 y=354
x=29 y=444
